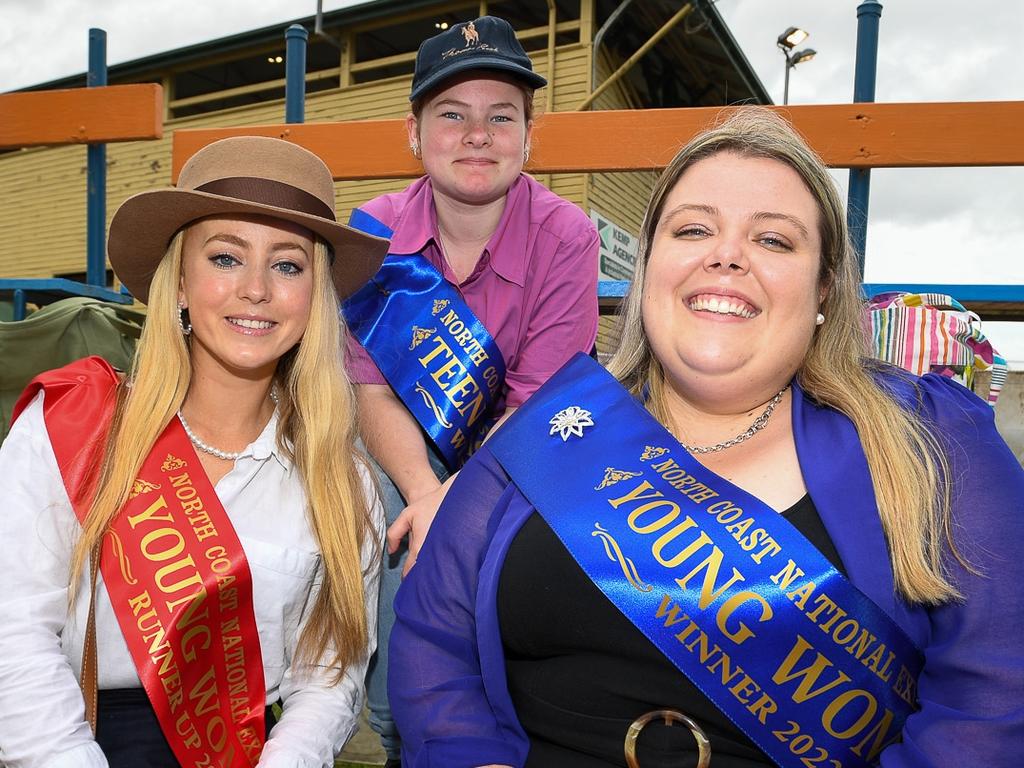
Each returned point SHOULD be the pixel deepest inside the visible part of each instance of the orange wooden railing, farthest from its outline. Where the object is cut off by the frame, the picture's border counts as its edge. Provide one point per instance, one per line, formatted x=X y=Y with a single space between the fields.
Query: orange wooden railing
x=81 y=115
x=869 y=135
x=845 y=135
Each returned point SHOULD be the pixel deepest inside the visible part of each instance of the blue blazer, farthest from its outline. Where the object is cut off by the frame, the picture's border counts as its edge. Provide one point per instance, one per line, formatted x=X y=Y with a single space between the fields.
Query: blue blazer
x=447 y=674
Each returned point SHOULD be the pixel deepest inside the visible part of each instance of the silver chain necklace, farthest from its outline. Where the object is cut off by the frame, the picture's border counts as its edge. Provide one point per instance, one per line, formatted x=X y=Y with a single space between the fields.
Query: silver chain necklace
x=206 y=447
x=752 y=430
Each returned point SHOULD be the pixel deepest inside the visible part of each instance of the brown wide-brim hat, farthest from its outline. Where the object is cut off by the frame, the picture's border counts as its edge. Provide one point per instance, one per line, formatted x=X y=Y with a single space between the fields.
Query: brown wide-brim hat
x=254 y=175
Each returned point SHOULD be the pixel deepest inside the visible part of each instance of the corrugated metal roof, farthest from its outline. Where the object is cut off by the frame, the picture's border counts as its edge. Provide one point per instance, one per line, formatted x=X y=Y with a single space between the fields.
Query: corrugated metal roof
x=274 y=33
x=732 y=49
x=738 y=72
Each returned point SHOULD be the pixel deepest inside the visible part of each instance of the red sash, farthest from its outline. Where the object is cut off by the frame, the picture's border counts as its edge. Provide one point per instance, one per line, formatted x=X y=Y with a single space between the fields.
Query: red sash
x=175 y=572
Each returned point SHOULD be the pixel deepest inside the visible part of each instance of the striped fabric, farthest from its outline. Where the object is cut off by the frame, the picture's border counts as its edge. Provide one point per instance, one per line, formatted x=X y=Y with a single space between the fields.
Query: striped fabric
x=933 y=332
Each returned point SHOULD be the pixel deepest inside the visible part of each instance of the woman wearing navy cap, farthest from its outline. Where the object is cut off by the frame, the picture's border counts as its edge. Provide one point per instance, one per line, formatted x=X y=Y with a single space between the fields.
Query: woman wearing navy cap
x=490 y=286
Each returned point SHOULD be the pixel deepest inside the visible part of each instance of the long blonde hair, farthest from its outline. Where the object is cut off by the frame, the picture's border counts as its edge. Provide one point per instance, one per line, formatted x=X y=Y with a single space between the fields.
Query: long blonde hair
x=908 y=468
x=316 y=430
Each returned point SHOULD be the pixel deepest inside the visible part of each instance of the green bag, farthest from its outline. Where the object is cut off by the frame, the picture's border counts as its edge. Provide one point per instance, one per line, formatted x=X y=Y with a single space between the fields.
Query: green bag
x=58 y=334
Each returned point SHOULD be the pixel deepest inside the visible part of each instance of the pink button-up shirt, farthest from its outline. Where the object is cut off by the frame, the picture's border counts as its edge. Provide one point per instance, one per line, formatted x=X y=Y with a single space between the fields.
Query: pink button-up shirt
x=534 y=288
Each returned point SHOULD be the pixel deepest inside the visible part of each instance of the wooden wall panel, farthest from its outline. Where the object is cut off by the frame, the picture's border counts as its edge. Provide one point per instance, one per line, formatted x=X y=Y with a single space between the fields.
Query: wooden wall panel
x=39 y=190
x=622 y=197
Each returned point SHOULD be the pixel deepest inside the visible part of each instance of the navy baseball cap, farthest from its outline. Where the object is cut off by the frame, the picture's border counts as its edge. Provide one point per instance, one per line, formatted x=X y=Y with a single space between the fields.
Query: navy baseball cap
x=485 y=43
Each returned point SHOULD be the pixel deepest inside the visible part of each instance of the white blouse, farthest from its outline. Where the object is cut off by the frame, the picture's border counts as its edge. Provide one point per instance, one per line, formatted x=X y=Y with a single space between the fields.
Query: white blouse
x=42 y=715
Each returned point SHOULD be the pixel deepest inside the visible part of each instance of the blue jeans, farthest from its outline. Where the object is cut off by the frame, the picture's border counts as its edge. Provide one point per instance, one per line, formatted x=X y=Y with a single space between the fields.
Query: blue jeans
x=390 y=579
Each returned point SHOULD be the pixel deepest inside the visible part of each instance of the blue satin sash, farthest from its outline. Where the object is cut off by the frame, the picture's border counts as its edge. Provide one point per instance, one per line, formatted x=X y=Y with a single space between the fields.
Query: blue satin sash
x=435 y=353
x=747 y=608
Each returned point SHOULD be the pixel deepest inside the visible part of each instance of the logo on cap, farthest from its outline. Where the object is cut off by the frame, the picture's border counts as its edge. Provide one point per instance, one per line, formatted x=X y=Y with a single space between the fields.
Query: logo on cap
x=473 y=43
x=472 y=36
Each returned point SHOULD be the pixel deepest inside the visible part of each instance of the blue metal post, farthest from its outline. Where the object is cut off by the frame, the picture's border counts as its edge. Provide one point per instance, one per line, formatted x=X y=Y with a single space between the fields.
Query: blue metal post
x=96 y=176
x=868 y=14
x=295 y=74
x=20 y=304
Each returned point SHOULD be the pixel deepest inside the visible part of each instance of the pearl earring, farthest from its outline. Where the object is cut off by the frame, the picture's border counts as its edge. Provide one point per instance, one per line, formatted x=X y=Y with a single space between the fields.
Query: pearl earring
x=526 y=155
x=415 y=148
x=820 y=319
x=182 y=312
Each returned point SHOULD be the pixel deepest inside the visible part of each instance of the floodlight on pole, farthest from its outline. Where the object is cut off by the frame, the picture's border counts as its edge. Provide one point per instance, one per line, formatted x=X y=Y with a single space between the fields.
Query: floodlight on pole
x=787 y=41
x=801 y=56
x=792 y=37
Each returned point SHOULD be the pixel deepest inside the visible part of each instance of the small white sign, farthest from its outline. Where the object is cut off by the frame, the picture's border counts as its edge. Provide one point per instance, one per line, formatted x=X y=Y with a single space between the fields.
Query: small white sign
x=617 y=251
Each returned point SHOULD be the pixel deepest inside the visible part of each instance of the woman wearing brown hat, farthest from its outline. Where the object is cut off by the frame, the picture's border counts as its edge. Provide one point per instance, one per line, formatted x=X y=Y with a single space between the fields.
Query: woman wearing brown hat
x=490 y=285
x=216 y=486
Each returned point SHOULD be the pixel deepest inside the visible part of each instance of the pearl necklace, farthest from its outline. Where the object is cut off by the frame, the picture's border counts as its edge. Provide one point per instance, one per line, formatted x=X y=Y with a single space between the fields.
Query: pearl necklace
x=206 y=447
x=752 y=430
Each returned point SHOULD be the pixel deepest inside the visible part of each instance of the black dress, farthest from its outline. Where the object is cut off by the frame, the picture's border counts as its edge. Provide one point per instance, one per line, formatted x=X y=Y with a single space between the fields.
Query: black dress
x=579 y=672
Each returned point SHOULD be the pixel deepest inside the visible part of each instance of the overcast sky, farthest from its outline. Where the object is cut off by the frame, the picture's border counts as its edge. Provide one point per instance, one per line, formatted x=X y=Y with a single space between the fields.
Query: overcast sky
x=958 y=225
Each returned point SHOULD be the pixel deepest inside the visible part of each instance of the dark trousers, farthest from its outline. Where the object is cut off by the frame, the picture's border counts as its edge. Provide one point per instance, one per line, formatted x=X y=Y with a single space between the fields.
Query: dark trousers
x=129 y=733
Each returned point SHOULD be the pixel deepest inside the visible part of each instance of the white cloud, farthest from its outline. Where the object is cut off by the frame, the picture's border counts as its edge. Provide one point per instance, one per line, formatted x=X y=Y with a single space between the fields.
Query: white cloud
x=927 y=252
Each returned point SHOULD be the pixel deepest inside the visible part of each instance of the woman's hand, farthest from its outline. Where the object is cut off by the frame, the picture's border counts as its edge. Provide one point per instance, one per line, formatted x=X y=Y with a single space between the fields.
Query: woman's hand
x=415 y=521
x=416 y=518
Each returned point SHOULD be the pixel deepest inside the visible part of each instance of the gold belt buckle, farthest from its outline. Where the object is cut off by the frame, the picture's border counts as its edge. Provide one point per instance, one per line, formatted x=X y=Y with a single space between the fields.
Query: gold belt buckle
x=670 y=716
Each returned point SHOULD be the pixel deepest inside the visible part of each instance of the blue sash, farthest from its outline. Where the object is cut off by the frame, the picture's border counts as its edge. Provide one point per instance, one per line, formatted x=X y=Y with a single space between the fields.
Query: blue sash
x=435 y=353
x=749 y=610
